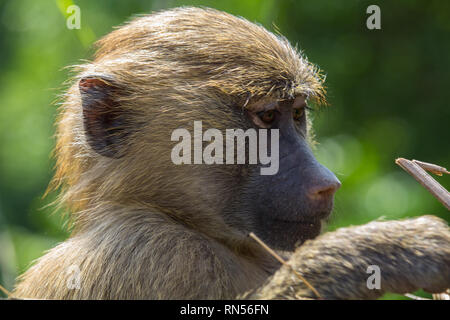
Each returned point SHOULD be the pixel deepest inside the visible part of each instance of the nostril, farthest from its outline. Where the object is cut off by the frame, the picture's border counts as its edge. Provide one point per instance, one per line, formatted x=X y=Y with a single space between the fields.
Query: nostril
x=324 y=191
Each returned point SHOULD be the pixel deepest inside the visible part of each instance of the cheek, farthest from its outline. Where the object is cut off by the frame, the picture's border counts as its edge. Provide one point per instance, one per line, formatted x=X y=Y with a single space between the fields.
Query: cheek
x=281 y=197
x=302 y=127
x=295 y=191
x=310 y=134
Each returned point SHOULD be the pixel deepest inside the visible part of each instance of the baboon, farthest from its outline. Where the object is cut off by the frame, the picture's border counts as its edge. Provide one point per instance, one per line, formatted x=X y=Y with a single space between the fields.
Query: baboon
x=145 y=228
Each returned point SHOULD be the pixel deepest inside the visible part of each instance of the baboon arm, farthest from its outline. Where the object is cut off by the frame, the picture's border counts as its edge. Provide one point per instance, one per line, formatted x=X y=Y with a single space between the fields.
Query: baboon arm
x=411 y=254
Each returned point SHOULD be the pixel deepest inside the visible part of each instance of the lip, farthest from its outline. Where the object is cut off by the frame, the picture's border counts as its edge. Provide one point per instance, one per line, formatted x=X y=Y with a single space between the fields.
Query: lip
x=302 y=226
x=289 y=234
x=298 y=222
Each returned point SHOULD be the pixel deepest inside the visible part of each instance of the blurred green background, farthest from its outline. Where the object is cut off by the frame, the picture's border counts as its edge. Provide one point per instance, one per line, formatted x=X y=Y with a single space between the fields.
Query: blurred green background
x=388 y=90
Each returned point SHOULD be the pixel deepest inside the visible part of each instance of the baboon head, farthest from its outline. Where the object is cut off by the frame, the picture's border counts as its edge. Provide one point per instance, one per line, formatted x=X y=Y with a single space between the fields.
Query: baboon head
x=164 y=71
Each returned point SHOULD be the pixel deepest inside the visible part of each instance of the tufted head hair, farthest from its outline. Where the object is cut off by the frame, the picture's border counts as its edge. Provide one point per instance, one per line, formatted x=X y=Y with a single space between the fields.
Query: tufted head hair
x=157 y=73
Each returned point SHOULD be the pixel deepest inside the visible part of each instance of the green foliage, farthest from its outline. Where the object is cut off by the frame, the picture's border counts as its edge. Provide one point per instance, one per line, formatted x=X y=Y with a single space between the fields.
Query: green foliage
x=387 y=90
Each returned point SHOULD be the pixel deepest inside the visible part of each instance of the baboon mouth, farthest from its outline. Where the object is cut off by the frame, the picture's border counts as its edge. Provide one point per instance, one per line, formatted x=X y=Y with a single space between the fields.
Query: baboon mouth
x=302 y=228
x=311 y=219
x=286 y=234
x=310 y=223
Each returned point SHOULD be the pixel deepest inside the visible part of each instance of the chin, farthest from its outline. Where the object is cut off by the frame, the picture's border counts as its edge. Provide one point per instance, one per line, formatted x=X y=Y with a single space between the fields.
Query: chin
x=288 y=235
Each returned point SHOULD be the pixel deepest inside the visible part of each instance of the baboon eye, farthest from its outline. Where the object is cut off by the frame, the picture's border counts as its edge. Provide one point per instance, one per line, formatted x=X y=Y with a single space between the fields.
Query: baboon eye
x=267 y=116
x=298 y=113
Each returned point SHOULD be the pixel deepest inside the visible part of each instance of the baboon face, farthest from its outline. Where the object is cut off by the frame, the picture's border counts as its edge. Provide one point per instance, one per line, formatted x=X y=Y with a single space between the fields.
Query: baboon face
x=289 y=207
x=165 y=71
x=285 y=208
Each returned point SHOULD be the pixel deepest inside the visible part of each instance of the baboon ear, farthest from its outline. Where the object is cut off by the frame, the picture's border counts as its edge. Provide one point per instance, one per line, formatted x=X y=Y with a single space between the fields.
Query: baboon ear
x=103 y=118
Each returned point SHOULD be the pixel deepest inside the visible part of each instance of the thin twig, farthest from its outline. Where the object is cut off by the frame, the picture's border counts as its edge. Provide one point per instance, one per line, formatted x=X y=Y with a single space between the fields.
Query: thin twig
x=417 y=170
x=433 y=168
x=414 y=297
x=2 y=289
x=283 y=262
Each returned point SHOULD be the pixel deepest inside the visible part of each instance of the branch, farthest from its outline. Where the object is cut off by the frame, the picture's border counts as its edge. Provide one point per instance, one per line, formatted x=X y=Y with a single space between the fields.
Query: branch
x=417 y=170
